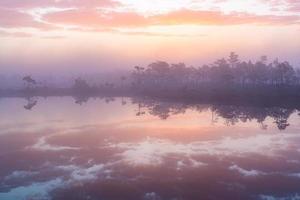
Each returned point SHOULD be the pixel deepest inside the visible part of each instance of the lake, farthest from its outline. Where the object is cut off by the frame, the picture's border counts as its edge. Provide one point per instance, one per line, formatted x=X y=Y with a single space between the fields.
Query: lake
x=143 y=149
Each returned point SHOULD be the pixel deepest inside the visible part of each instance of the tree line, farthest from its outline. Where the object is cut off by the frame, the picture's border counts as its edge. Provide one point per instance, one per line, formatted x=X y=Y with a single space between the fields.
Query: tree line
x=225 y=79
x=224 y=73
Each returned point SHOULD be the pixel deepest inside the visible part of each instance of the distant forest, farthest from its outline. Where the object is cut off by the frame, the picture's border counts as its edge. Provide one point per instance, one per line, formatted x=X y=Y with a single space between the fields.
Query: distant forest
x=224 y=73
x=227 y=79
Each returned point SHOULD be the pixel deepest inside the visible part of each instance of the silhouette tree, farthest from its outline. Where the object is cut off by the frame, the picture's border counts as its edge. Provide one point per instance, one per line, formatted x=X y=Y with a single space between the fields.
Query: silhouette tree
x=81 y=88
x=225 y=74
x=264 y=59
x=29 y=82
x=284 y=73
x=123 y=79
x=137 y=74
x=233 y=59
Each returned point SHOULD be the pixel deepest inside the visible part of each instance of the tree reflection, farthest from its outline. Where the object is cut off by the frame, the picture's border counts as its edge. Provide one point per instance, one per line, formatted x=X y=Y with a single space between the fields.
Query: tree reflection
x=30 y=103
x=281 y=116
x=109 y=99
x=80 y=100
x=230 y=113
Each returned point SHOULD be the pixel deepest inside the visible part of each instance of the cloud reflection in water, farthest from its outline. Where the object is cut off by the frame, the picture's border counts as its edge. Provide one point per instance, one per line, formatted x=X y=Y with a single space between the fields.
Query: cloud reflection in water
x=123 y=156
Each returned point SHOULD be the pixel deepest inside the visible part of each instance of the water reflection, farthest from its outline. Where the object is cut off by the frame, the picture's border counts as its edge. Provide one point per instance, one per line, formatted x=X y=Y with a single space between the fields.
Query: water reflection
x=147 y=149
x=231 y=113
x=30 y=104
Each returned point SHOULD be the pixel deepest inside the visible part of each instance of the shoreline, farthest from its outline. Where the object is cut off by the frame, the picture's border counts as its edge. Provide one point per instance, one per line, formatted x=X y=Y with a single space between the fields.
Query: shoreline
x=246 y=98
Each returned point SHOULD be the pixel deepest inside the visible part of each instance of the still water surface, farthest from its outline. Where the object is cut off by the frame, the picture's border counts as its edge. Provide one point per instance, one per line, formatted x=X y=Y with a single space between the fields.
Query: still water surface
x=129 y=149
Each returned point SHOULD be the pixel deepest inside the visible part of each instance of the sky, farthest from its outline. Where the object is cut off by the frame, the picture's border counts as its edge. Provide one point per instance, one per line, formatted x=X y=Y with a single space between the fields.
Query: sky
x=91 y=35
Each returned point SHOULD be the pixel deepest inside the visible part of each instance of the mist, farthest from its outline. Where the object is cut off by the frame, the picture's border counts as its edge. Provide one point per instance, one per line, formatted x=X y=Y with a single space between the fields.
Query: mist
x=149 y=99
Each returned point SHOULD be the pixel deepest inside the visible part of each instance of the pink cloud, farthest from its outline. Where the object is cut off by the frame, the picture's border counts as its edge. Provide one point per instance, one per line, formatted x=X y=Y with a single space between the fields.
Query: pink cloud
x=10 y=18
x=219 y=18
x=287 y=5
x=55 y=3
x=15 y=34
x=294 y=5
x=88 y=15
x=96 y=19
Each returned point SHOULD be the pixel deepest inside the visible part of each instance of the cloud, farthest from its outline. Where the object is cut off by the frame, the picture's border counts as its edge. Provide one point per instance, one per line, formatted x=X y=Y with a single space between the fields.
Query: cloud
x=114 y=17
x=20 y=175
x=55 y=3
x=246 y=172
x=157 y=34
x=37 y=190
x=15 y=34
x=11 y=18
x=219 y=18
x=95 y=18
x=42 y=145
x=285 y=5
x=294 y=5
x=27 y=13
x=153 y=151
x=55 y=37
x=109 y=15
x=135 y=32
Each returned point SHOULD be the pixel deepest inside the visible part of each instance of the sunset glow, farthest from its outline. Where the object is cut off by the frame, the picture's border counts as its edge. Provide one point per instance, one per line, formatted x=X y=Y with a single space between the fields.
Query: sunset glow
x=150 y=99
x=152 y=29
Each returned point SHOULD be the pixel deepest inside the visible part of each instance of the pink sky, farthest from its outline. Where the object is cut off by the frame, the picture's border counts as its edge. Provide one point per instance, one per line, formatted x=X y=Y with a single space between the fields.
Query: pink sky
x=97 y=34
